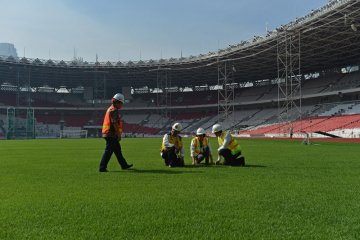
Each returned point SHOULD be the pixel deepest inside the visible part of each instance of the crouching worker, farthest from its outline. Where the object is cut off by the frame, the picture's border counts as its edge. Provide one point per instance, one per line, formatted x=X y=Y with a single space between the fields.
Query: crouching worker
x=229 y=148
x=172 y=150
x=200 y=148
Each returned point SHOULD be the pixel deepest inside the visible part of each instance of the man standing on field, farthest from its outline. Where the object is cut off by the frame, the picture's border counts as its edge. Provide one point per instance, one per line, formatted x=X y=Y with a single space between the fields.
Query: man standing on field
x=111 y=132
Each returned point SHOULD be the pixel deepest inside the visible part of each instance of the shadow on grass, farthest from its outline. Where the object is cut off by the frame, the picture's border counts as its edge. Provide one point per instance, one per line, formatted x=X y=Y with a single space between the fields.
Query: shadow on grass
x=199 y=166
x=254 y=166
x=177 y=170
x=224 y=166
x=157 y=171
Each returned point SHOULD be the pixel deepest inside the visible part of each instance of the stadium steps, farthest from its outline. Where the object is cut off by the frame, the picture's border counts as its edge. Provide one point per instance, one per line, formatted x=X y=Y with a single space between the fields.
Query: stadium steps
x=246 y=118
x=191 y=126
x=147 y=117
x=333 y=83
x=327 y=124
x=323 y=108
x=145 y=120
x=342 y=122
x=327 y=134
x=266 y=92
x=353 y=124
x=166 y=127
x=198 y=124
x=314 y=110
x=268 y=120
x=250 y=117
x=310 y=126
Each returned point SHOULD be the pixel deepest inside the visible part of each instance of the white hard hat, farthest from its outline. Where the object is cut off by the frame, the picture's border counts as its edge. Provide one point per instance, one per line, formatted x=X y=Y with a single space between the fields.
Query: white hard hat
x=177 y=127
x=200 y=131
x=216 y=128
x=119 y=97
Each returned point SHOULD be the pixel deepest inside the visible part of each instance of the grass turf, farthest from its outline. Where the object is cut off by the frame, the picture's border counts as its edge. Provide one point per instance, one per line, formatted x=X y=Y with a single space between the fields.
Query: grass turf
x=51 y=189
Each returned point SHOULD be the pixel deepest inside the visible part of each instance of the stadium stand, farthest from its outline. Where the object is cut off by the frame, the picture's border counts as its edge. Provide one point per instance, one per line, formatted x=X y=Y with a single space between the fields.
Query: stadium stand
x=73 y=95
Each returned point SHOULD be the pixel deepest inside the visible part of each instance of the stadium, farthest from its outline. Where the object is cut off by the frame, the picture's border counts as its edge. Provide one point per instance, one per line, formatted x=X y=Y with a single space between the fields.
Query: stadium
x=298 y=81
x=303 y=75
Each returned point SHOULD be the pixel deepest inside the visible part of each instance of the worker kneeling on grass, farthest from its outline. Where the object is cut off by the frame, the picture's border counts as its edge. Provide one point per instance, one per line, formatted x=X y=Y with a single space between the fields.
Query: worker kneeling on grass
x=200 y=148
x=172 y=150
x=229 y=148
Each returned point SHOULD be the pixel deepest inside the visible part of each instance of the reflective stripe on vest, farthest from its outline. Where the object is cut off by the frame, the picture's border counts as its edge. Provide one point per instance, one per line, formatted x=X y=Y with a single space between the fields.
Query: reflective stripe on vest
x=233 y=145
x=173 y=140
x=197 y=144
x=107 y=122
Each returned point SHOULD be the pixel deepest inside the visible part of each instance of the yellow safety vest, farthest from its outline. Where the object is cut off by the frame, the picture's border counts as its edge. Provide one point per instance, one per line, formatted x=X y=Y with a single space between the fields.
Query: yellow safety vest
x=173 y=140
x=233 y=144
x=197 y=144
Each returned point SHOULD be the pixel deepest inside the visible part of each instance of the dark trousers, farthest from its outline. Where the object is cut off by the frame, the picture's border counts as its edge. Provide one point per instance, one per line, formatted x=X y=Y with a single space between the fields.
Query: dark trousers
x=233 y=160
x=206 y=155
x=112 y=146
x=171 y=159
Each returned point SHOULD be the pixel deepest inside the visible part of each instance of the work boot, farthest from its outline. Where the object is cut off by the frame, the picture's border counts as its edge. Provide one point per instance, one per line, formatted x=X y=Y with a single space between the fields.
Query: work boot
x=127 y=166
x=242 y=161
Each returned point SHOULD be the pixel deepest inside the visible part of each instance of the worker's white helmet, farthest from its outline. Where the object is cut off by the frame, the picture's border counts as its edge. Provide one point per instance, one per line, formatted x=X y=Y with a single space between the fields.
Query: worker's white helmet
x=216 y=128
x=177 y=127
x=119 y=97
x=200 y=131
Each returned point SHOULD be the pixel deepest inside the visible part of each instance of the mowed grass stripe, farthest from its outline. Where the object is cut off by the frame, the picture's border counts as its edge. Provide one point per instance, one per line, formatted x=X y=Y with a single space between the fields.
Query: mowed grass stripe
x=51 y=189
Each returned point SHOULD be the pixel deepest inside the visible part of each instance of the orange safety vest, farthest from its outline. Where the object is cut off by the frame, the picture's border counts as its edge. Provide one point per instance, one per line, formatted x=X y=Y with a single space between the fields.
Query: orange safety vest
x=111 y=129
x=233 y=146
x=197 y=144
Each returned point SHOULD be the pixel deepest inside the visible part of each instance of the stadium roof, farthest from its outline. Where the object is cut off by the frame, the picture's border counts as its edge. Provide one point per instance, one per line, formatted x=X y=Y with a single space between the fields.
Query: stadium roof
x=329 y=39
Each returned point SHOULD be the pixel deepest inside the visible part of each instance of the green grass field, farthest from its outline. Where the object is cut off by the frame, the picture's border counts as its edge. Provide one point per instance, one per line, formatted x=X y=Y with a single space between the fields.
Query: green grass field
x=51 y=189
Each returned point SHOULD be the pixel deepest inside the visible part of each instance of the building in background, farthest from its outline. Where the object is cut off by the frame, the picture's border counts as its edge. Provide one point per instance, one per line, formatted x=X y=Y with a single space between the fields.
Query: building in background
x=8 y=49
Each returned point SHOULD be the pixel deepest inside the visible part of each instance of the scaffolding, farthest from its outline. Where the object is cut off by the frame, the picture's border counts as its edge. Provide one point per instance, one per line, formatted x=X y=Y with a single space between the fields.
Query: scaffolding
x=30 y=123
x=163 y=96
x=17 y=126
x=289 y=77
x=11 y=123
x=99 y=84
x=226 y=92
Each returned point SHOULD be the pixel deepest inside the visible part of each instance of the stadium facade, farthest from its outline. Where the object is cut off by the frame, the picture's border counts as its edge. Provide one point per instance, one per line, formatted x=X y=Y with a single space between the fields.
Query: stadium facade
x=306 y=69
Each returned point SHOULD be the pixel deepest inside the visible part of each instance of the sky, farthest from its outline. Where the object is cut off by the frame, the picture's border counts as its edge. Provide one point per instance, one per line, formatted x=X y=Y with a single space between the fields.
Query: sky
x=123 y=30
